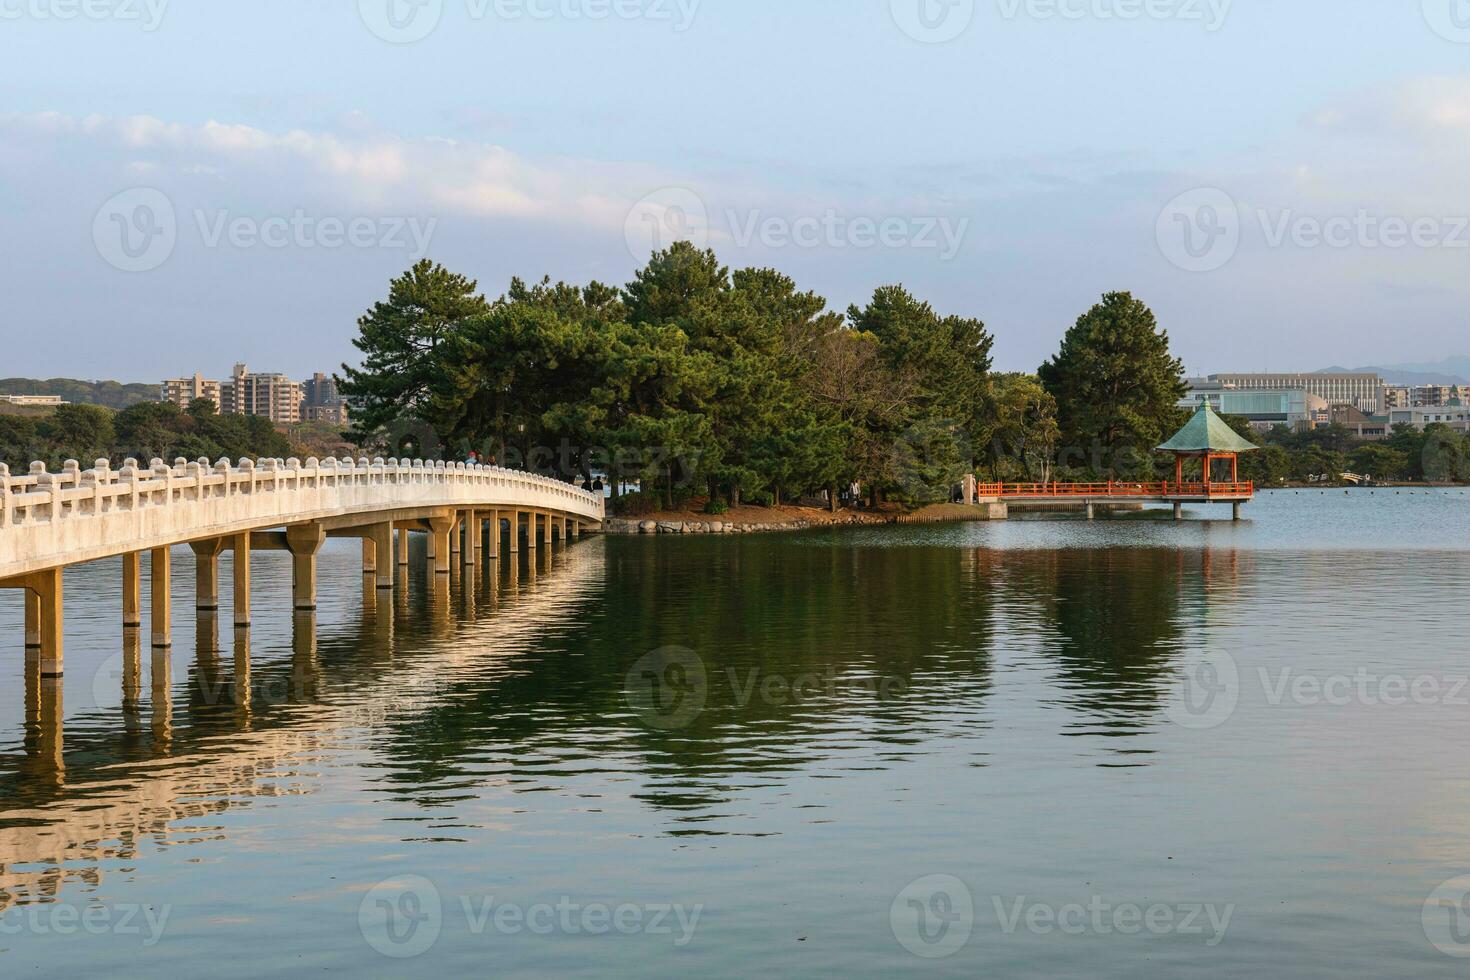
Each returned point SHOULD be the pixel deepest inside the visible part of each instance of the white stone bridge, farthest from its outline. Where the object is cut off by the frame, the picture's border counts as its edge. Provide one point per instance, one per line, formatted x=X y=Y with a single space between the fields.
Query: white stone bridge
x=49 y=521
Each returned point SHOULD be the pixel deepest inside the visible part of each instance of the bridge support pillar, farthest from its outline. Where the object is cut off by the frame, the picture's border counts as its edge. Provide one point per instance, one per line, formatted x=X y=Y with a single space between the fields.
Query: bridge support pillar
x=304 y=541
x=240 y=548
x=440 y=531
x=514 y=518
x=206 y=574
x=380 y=539
x=369 y=557
x=493 y=541
x=472 y=532
x=132 y=563
x=43 y=621
x=403 y=547
x=547 y=529
x=1091 y=512
x=33 y=619
x=458 y=529
x=160 y=587
x=531 y=527
x=576 y=530
x=1178 y=512
x=1235 y=509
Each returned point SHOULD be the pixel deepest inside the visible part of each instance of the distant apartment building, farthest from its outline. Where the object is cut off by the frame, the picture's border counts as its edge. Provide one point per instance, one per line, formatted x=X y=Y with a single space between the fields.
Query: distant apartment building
x=322 y=402
x=1436 y=396
x=272 y=396
x=1362 y=391
x=1265 y=410
x=1456 y=417
x=1397 y=396
x=182 y=391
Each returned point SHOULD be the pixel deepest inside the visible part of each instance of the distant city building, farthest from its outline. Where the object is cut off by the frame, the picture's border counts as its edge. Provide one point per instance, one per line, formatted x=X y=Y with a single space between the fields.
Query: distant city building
x=272 y=396
x=1362 y=391
x=1265 y=410
x=1456 y=417
x=32 y=401
x=182 y=391
x=1435 y=396
x=322 y=402
x=1374 y=428
x=1397 y=396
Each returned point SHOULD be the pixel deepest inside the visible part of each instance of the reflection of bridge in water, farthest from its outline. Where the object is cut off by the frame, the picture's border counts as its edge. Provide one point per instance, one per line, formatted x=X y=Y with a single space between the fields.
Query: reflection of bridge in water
x=69 y=825
x=49 y=521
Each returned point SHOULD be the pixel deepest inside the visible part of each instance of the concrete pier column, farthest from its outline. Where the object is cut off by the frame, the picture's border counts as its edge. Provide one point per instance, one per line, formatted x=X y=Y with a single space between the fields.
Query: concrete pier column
x=533 y=525
x=381 y=540
x=403 y=547
x=1178 y=512
x=206 y=574
x=454 y=534
x=160 y=582
x=471 y=538
x=576 y=530
x=546 y=530
x=566 y=530
x=304 y=541
x=44 y=622
x=1236 y=509
x=1091 y=512
x=515 y=531
x=33 y=619
x=440 y=531
x=132 y=564
x=493 y=541
x=369 y=558
x=240 y=547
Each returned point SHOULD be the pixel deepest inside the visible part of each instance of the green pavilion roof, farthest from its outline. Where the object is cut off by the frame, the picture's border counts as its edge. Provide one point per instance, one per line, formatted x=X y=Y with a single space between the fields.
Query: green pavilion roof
x=1207 y=432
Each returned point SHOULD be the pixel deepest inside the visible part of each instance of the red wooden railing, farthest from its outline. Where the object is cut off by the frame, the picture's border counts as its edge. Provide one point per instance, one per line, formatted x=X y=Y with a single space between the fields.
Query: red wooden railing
x=1116 y=489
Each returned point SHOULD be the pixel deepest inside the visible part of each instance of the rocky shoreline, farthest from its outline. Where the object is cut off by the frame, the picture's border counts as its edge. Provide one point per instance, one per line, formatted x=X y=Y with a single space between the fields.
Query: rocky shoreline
x=716 y=526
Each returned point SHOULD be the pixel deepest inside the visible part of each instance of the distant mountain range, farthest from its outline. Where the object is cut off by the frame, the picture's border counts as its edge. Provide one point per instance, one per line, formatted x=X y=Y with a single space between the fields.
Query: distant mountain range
x=111 y=394
x=1450 y=371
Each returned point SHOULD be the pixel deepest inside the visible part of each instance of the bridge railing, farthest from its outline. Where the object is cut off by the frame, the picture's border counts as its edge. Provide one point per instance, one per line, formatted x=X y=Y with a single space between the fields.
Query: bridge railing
x=1115 y=489
x=39 y=497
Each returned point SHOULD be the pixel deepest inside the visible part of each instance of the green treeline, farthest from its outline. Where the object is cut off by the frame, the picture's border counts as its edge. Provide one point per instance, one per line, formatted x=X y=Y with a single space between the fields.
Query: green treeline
x=144 y=431
x=742 y=387
x=1439 y=454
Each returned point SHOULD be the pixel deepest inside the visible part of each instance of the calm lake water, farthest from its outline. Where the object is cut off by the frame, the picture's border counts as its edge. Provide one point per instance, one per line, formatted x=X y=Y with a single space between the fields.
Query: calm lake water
x=1035 y=748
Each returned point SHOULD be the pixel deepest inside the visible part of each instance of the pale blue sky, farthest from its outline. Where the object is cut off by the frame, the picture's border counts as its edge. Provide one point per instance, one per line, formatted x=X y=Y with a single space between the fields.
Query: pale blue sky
x=1048 y=147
